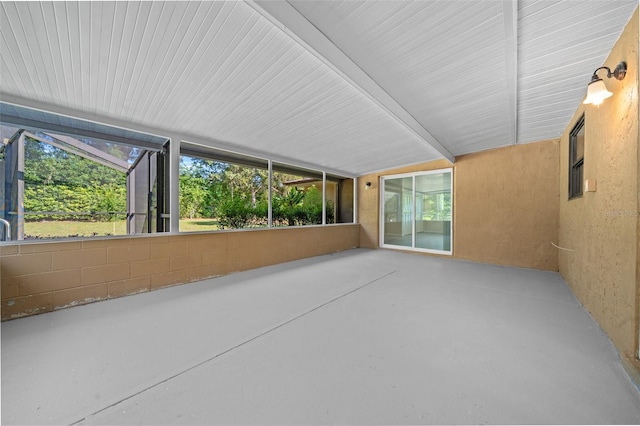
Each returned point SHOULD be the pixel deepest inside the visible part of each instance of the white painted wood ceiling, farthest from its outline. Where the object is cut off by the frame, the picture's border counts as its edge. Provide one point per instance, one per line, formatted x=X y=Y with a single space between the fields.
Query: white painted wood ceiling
x=347 y=86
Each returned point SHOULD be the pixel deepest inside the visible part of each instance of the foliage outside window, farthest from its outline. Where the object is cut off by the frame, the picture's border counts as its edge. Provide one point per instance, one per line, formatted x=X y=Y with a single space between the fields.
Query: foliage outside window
x=436 y=206
x=297 y=198
x=66 y=195
x=69 y=181
x=90 y=180
x=216 y=194
x=58 y=185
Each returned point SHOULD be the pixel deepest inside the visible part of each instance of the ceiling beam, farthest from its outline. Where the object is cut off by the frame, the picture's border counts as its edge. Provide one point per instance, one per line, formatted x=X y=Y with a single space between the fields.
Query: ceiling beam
x=510 y=15
x=286 y=17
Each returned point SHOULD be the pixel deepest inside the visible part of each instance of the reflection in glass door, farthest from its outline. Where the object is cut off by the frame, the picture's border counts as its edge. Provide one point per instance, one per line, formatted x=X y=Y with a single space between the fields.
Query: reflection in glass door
x=433 y=211
x=417 y=211
x=398 y=211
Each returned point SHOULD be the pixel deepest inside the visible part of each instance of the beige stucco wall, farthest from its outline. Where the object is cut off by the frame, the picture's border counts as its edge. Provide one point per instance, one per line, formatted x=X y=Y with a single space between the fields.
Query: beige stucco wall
x=45 y=276
x=505 y=205
x=602 y=227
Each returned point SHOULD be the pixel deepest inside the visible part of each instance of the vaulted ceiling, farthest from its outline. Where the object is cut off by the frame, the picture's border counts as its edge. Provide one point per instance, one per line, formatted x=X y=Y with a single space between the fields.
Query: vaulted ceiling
x=346 y=86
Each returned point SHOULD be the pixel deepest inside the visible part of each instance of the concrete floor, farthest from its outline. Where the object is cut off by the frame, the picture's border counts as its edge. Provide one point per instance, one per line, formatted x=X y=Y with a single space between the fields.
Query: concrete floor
x=361 y=337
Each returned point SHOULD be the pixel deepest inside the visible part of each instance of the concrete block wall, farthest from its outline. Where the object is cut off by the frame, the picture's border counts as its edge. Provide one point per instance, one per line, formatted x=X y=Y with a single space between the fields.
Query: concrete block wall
x=39 y=277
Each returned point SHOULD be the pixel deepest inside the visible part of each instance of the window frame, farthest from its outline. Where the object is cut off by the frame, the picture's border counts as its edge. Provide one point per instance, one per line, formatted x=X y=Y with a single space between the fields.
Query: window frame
x=196 y=150
x=576 y=165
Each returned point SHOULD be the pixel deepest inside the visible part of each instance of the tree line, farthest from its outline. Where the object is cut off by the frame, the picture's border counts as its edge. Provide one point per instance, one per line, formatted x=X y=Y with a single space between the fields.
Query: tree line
x=235 y=195
x=58 y=181
x=238 y=196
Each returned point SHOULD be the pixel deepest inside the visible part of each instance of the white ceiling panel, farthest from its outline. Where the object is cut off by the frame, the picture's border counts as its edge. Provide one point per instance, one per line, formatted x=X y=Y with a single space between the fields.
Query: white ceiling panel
x=364 y=86
x=560 y=43
x=444 y=61
x=216 y=70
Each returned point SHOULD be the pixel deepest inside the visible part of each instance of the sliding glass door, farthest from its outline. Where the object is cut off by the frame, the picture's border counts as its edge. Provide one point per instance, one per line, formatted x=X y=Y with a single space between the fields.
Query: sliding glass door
x=398 y=212
x=417 y=211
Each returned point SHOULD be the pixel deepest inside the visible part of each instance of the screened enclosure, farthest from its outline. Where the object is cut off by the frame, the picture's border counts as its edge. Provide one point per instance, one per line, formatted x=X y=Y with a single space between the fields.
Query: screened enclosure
x=64 y=177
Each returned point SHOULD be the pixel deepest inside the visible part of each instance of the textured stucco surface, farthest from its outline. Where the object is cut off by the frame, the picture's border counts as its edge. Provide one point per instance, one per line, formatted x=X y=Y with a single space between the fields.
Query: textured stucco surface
x=602 y=227
x=505 y=205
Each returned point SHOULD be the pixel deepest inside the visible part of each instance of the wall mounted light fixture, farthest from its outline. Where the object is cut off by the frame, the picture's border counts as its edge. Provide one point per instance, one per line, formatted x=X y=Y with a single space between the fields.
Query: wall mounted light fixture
x=367 y=185
x=597 y=91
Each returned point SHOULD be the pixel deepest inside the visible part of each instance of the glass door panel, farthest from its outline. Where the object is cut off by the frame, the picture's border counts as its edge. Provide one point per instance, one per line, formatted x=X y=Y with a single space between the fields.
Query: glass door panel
x=433 y=212
x=398 y=212
x=417 y=211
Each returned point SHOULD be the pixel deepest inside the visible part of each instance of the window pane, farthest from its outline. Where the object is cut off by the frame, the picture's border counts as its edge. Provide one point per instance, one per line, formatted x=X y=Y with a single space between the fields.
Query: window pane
x=433 y=211
x=226 y=190
x=580 y=144
x=73 y=192
x=82 y=179
x=398 y=211
x=221 y=195
x=297 y=197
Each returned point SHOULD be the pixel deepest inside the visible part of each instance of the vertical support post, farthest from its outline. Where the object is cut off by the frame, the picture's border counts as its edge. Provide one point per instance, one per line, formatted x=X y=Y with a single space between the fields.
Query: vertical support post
x=413 y=213
x=270 y=196
x=324 y=198
x=149 y=192
x=131 y=196
x=161 y=190
x=20 y=205
x=9 y=166
x=174 y=185
x=355 y=200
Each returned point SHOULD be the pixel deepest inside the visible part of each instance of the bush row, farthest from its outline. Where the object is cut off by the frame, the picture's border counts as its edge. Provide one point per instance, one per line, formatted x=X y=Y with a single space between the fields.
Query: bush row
x=295 y=208
x=63 y=198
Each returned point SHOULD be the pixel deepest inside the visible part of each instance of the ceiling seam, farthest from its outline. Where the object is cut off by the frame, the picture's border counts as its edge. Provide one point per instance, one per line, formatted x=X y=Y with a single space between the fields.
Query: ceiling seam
x=510 y=16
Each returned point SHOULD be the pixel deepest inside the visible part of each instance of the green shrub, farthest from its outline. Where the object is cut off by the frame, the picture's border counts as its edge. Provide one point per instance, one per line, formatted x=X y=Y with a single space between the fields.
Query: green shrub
x=64 y=198
x=287 y=209
x=236 y=213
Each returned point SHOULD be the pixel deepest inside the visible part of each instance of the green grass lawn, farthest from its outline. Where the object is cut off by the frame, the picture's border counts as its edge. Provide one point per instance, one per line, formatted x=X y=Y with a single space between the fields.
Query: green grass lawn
x=193 y=225
x=66 y=228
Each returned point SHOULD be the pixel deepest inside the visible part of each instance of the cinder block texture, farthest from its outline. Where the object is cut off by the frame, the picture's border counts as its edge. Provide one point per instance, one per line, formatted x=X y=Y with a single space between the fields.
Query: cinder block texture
x=44 y=276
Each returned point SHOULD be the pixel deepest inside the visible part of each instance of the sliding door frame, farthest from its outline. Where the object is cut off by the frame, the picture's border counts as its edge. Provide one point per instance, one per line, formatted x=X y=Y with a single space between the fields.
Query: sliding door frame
x=381 y=220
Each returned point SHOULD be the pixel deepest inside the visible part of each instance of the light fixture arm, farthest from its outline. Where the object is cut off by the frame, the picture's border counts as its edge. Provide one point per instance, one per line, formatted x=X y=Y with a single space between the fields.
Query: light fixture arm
x=619 y=72
x=596 y=90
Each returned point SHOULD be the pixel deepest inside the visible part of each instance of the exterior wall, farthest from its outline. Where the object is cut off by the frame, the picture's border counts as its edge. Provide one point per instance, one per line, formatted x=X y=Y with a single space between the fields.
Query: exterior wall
x=602 y=227
x=345 y=194
x=45 y=276
x=506 y=209
x=505 y=205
